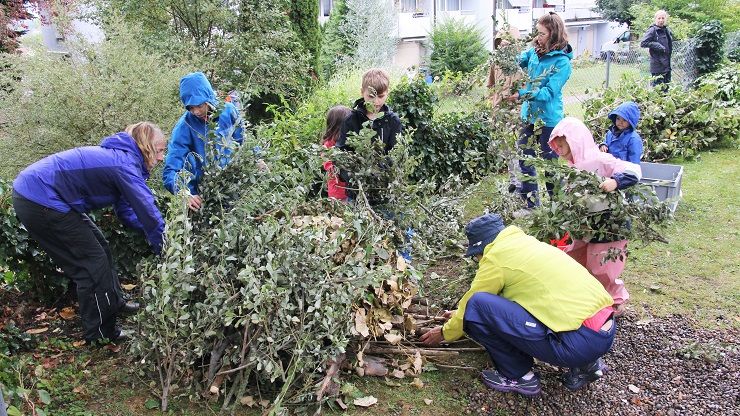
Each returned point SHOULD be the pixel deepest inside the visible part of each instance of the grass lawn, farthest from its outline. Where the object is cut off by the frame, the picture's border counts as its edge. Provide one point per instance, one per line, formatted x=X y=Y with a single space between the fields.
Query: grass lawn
x=593 y=77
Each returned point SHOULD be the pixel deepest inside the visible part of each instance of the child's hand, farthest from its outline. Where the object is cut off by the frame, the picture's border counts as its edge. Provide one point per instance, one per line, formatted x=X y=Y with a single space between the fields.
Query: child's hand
x=513 y=97
x=608 y=185
x=604 y=148
x=195 y=202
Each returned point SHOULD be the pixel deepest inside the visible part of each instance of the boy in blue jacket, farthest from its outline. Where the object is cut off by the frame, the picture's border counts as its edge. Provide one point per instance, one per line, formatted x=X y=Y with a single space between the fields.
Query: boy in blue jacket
x=187 y=147
x=622 y=139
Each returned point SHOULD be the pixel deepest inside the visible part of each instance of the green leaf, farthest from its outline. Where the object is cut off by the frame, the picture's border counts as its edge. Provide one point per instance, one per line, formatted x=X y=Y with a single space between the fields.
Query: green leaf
x=151 y=404
x=44 y=396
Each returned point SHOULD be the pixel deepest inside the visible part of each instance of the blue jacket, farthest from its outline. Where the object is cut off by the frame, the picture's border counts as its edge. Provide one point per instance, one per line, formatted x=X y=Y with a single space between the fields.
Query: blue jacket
x=625 y=144
x=92 y=177
x=544 y=99
x=187 y=147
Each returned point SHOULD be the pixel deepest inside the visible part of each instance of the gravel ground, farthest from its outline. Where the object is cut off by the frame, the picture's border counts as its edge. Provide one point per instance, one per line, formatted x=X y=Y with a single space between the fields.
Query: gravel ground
x=658 y=367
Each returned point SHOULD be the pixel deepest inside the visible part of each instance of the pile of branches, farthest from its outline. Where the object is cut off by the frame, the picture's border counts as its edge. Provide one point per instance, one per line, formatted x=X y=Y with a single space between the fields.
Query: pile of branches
x=257 y=298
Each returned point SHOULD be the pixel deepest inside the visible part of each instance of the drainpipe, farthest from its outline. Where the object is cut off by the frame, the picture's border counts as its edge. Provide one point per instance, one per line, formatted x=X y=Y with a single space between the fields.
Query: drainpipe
x=495 y=21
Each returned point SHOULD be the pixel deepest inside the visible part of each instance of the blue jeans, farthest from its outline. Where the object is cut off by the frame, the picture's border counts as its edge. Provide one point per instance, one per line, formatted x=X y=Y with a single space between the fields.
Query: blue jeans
x=513 y=337
x=529 y=185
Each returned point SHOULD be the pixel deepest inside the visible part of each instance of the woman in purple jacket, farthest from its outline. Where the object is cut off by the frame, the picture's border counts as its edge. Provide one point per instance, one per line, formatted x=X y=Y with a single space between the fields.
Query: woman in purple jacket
x=53 y=196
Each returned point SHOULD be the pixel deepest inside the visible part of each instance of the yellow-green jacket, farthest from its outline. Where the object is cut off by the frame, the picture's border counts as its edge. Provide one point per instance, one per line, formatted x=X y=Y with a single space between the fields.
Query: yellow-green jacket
x=544 y=280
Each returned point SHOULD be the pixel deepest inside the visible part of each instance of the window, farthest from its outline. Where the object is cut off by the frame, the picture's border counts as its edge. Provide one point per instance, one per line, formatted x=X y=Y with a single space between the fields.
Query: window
x=455 y=5
x=467 y=5
x=325 y=7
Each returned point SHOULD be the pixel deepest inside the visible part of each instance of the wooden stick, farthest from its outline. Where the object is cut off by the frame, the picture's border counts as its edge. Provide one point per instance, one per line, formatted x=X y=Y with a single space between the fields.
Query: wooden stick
x=457 y=367
x=412 y=351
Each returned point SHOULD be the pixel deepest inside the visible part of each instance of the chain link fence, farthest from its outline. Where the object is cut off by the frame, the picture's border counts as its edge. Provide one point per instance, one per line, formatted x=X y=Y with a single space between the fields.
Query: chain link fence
x=593 y=73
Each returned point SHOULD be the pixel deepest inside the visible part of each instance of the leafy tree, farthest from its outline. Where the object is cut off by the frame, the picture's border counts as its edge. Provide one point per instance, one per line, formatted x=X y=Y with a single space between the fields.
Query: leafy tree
x=709 y=42
x=303 y=15
x=457 y=47
x=11 y=12
x=616 y=10
x=359 y=34
x=645 y=16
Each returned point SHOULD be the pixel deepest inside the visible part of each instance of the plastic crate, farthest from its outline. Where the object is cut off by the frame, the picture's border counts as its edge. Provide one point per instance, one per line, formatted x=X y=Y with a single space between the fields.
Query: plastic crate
x=665 y=180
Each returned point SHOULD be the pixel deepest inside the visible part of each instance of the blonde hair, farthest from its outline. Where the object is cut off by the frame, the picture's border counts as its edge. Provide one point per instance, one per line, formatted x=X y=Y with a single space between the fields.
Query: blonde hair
x=145 y=135
x=376 y=79
x=558 y=35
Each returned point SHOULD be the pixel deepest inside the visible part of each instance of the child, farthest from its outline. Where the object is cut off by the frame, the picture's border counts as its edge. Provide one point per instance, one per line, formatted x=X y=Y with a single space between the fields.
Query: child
x=572 y=141
x=334 y=120
x=622 y=140
x=375 y=86
x=187 y=149
x=548 y=67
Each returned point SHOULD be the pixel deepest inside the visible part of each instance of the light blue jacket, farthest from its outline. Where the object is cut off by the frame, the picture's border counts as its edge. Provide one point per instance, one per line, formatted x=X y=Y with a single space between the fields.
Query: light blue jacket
x=625 y=144
x=543 y=98
x=187 y=147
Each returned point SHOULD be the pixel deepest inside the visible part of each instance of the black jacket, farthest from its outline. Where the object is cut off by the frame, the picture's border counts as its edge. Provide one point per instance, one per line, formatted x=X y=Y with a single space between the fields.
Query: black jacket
x=386 y=127
x=659 y=41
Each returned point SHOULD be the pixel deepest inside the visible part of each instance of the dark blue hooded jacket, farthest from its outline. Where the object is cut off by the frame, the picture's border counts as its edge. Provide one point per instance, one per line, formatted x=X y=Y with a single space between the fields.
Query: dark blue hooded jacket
x=187 y=147
x=91 y=177
x=625 y=144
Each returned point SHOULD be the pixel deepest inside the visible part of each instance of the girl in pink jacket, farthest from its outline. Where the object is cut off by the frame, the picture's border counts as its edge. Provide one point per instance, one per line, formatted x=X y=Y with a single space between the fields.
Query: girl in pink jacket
x=572 y=141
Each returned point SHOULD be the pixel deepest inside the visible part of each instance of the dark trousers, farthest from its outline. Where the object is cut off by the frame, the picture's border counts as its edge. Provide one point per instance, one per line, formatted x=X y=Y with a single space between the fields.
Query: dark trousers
x=77 y=246
x=513 y=337
x=663 y=78
x=529 y=186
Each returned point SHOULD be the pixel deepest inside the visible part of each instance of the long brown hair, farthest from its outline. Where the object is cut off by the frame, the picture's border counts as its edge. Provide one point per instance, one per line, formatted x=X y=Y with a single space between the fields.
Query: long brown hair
x=334 y=119
x=145 y=135
x=558 y=35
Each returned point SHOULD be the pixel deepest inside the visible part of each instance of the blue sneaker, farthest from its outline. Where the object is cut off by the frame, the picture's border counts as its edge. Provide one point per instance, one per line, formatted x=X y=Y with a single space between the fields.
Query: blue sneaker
x=494 y=380
x=577 y=378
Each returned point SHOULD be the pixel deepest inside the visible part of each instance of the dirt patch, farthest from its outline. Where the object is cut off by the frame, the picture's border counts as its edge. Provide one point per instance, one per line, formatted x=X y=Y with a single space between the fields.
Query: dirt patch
x=658 y=366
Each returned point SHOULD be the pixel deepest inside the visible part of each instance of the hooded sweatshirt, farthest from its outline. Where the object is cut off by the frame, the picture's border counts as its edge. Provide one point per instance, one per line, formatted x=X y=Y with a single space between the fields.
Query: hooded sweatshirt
x=544 y=97
x=92 y=177
x=187 y=147
x=585 y=155
x=625 y=144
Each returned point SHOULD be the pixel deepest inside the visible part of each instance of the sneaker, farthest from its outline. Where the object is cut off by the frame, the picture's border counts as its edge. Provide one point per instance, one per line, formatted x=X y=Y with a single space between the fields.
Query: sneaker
x=579 y=377
x=494 y=380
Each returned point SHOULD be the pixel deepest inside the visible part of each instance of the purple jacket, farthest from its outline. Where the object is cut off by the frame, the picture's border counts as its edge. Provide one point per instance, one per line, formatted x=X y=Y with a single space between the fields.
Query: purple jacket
x=92 y=177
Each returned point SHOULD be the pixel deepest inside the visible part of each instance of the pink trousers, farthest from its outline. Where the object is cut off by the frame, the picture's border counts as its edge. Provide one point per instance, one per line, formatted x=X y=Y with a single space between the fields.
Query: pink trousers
x=591 y=255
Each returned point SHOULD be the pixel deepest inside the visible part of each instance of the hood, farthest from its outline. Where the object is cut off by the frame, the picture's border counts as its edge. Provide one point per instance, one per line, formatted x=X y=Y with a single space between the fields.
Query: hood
x=123 y=141
x=196 y=90
x=584 y=152
x=628 y=111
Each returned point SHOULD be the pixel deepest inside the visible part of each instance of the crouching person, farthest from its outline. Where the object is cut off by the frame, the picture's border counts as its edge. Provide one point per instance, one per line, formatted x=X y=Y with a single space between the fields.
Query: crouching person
x=53 y=196
x=529 y=300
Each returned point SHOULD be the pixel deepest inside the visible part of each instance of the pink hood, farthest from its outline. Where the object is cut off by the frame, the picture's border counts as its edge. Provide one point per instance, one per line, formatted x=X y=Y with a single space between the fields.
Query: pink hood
x=586 y=155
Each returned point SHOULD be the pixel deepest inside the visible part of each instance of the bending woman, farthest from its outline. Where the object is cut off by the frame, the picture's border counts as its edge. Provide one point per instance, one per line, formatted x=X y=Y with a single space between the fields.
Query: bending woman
x=53 y=196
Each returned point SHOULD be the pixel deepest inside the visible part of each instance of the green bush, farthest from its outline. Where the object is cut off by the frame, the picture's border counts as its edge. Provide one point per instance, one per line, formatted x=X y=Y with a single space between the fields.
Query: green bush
x=413 y=100
x=710 y=40
x=457 y=47
x=674 y=122
x=62 y=103
x=726 y=82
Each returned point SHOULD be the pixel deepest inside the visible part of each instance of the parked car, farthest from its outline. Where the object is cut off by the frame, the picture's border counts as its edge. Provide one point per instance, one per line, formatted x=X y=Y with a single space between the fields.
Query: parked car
x=623 y=48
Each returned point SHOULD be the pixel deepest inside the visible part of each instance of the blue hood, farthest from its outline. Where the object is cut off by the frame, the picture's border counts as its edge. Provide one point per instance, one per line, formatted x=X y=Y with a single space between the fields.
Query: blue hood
x=628 y=111
x=123 y=141
x=196 y=90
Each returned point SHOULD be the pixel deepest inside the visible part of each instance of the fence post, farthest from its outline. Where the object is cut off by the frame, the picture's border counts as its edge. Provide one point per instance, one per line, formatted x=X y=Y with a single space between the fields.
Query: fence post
x=608 y=67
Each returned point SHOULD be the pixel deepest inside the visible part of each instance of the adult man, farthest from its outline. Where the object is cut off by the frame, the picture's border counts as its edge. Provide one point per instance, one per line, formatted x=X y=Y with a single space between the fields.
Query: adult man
x=529 y=300
x=659 y=41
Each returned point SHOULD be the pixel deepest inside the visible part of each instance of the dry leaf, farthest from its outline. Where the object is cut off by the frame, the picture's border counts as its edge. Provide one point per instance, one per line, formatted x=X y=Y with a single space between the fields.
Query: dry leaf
x=214 y=390
x=417 y=383
x=67 y=313
x=366 y=401
x=394 y=339
x=361 y=323
x=264 y=403
x=398 y=374
x=80 y=343
x=633 y=388
x=418 y=363
x=112 y=348
x=401 y=264
x=128 y=287
x=77 y=390
x=247 y=401
x=428 y=401
x=37 y=330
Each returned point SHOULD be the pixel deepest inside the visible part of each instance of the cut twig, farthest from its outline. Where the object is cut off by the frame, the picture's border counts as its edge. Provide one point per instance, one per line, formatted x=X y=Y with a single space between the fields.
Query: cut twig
x=411 y=351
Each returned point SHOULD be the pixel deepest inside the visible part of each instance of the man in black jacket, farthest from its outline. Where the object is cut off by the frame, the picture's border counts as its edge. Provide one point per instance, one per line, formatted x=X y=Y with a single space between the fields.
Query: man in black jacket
x=659 y=41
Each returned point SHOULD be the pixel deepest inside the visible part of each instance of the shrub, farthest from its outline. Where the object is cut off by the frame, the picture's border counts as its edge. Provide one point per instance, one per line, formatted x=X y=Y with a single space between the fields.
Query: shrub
x=674 y=122
x=726 y=82
x=457 y=47
x=709 y=42
x=64 y=103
